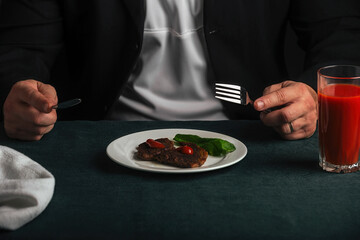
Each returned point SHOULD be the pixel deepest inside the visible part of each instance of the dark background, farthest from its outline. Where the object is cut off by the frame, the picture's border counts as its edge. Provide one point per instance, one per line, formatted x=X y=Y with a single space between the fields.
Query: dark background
x=294 y=55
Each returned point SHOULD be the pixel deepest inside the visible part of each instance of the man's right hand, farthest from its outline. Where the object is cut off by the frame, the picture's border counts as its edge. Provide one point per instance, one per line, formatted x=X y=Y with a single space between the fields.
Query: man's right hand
x=28 y=112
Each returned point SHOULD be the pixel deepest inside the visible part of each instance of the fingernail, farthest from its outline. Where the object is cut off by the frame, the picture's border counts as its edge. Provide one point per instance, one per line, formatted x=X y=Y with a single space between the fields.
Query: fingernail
x=260 y=105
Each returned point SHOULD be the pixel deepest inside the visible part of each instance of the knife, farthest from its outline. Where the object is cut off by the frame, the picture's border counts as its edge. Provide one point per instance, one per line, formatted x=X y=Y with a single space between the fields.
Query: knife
x=67 y=104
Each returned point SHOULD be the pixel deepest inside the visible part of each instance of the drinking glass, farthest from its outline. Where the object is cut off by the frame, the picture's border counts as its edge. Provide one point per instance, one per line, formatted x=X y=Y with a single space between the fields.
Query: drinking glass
x=339 y=118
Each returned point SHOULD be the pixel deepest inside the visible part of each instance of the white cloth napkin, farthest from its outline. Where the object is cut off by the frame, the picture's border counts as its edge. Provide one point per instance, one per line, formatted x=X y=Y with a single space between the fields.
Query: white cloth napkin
x=26 y=188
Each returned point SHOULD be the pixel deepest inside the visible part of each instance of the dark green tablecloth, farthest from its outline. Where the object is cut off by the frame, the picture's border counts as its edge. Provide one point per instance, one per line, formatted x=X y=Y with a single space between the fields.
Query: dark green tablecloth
x=277 y=191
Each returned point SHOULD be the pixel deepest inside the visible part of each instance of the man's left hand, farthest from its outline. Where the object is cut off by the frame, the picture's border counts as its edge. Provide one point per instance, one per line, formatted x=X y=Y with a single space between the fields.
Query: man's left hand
x=293 y=108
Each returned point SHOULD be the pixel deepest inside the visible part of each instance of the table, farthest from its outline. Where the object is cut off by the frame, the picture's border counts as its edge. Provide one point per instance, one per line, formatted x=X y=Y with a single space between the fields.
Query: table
x=277 y=191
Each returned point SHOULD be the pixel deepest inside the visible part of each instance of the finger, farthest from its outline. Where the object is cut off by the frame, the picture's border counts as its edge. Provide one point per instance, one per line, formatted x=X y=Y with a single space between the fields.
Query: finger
x=28 y=133
x=285 y=93
x=28 y=92
x=28 y=124
x=284 y=115
x=49 y=92
x=41 y=119
x=291 y=127
x=300 y=134
x=30 y=95
x=26 y=130
x=274 y=87
x=301 y=128
x=27 y=114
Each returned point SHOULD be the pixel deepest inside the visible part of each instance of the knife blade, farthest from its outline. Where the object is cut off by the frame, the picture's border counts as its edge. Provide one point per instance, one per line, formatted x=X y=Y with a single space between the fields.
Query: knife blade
x=67 y=104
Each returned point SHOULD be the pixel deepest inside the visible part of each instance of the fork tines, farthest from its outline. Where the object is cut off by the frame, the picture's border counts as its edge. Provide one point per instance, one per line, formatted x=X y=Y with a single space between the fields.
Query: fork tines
x=231 y=93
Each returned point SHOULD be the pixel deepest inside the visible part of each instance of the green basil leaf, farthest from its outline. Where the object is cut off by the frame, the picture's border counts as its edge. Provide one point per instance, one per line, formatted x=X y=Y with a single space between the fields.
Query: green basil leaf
x=214 y=146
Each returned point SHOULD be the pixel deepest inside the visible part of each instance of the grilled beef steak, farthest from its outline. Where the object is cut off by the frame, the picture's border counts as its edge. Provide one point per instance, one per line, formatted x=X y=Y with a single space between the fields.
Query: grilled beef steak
x=147 y=153
x=172 y=156
x=176 y=158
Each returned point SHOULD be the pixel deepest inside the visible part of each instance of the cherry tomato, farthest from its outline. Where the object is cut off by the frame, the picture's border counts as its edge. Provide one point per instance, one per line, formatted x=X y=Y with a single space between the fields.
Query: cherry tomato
x=154 y=144
x=186 y=150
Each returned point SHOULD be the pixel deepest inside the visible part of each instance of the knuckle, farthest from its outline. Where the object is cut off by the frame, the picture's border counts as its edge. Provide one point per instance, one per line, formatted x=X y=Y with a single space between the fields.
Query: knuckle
x=50 y=87
x=287 y=83
x=309 y=130
x=267 y=90
x=46 y=87
x=22 y=84
x=310 y=102
x=281 y=96
x=284 y=128
x=19 y=84
x=31 y=95
x=286 y=116
x=309 y=105
x=303 y=88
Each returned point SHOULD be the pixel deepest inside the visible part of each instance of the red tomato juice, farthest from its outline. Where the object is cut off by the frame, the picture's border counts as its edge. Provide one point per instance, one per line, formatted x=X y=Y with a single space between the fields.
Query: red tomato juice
x=339 y=124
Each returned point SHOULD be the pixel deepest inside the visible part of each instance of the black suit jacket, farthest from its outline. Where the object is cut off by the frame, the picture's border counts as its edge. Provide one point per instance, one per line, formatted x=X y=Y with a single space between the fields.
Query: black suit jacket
x=101 y=41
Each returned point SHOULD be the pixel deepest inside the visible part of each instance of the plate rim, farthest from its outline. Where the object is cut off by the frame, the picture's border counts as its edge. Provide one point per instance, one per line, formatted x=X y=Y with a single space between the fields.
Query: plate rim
x=179 y=170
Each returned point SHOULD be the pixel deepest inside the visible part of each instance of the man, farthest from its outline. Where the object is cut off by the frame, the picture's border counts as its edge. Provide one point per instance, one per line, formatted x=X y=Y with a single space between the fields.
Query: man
x=110 y=47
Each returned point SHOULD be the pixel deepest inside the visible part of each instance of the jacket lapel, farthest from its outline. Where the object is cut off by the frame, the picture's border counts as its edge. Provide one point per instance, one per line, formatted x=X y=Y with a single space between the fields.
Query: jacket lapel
x=136 y=9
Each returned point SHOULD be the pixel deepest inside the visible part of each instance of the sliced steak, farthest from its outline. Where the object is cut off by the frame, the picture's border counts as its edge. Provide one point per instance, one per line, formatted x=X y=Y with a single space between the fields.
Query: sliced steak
x=147 y=153
x=176 y=158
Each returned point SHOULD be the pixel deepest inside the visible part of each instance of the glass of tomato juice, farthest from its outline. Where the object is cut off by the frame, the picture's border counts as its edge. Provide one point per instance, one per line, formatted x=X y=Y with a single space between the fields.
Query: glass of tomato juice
x=338 y=89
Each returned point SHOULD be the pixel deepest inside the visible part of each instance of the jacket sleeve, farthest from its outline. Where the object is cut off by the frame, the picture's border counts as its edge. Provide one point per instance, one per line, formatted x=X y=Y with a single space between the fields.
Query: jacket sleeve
x=328 y=31
x=30 y=39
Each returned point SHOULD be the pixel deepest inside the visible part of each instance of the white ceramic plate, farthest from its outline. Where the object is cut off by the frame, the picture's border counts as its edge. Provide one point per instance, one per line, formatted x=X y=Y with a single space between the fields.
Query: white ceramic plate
x=122 y=151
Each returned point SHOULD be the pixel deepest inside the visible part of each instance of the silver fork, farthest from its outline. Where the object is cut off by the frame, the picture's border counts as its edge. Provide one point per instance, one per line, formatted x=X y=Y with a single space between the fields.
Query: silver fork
x=232 y=93
x=235 y=94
